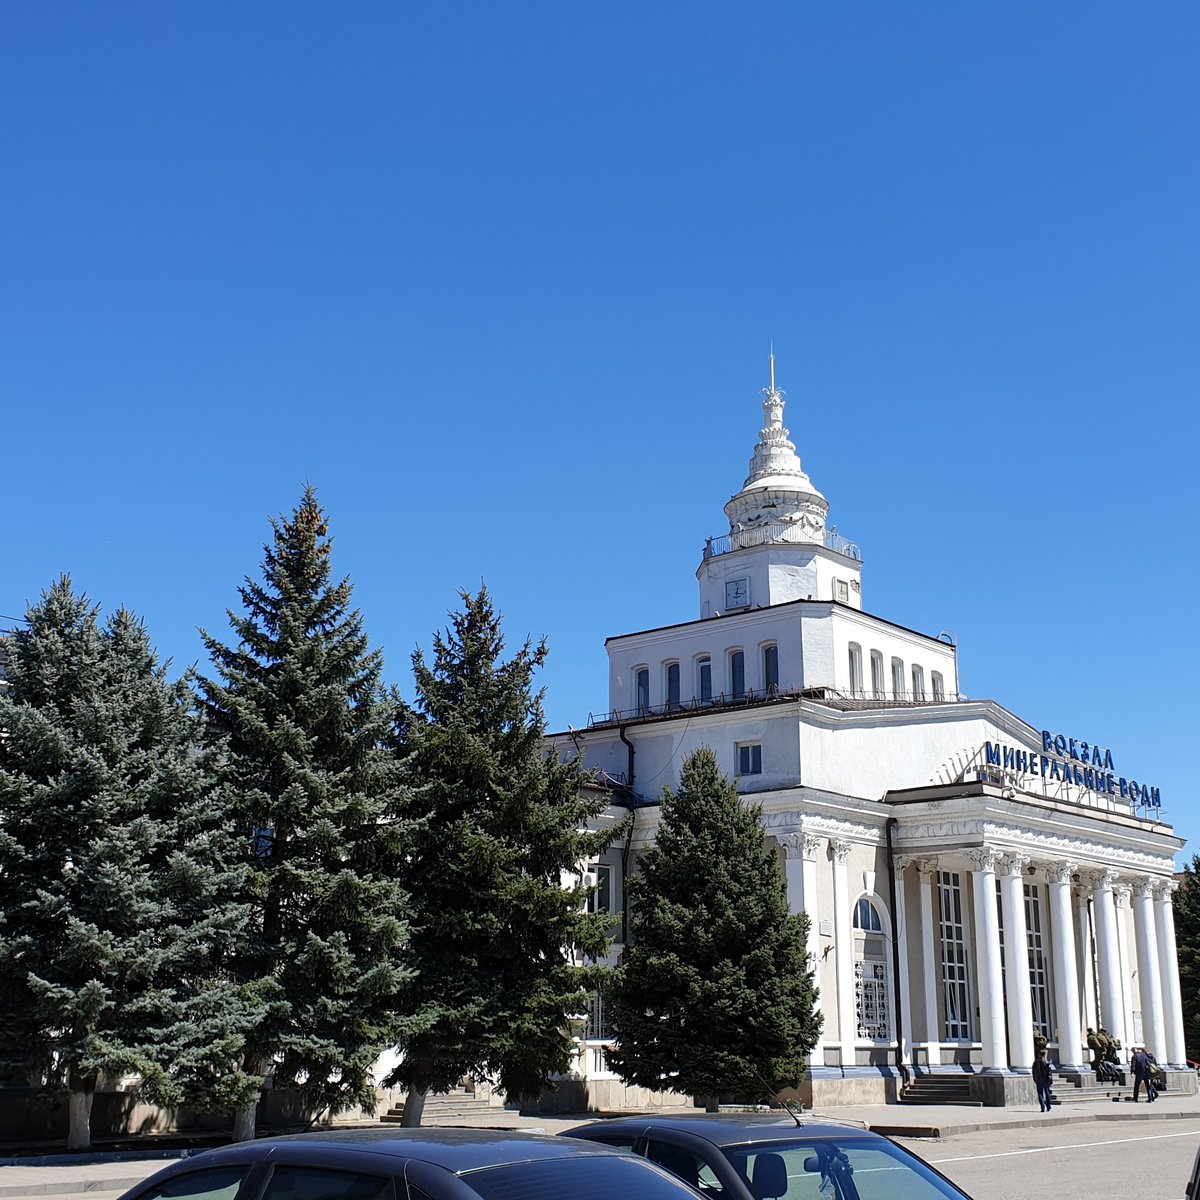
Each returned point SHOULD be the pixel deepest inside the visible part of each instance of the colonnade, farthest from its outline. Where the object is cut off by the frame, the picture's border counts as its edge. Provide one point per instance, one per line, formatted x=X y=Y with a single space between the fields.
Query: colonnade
x=1087 y=907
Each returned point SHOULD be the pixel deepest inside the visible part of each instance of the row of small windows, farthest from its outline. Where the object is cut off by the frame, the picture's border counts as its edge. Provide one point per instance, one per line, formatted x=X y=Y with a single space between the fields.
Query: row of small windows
x=735 y=679
x=906 y=684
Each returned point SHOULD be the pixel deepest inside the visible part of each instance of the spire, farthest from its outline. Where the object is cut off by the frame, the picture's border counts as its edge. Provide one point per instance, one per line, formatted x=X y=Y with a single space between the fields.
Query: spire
x=774 y=454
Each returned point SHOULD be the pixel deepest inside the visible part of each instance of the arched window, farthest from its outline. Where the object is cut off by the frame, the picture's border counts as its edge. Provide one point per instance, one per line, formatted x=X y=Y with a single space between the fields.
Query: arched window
x=641 y=686
x=856 y=676
x=918 y=682
x=939 y=685
x=877 y=685
x=872 y=983
x=898 y=679
x=770 y=661
x=737 y=674
x=672 y=682
x=704 y=679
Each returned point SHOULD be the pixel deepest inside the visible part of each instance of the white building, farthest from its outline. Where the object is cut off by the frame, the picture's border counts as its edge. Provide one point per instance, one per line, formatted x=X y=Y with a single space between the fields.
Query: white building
x=923 y=833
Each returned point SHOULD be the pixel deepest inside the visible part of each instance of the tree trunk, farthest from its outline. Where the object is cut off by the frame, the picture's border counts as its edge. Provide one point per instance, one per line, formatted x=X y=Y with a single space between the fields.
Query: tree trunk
x=245 y=1119
x=79 y=1112
x=414 y=1107
x=712 y=1104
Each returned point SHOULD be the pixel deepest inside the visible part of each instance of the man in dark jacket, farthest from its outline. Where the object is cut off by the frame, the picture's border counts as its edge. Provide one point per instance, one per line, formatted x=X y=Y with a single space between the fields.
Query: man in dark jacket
x=1140 y=1063
x=1041 y=1080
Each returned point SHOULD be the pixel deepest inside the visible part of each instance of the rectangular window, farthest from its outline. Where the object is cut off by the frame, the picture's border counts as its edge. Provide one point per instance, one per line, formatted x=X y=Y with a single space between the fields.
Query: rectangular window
x=750 y=758
x=939 y=685
x=841 y=591
x=955 y=996
x=877 y=684
x=705 y=680
x=600 y=900
x=897 y=679
x=771 y=669
x=1039 y=968
x=918 y=682
x=672 y=687
x=643 y=689
x=737 y=675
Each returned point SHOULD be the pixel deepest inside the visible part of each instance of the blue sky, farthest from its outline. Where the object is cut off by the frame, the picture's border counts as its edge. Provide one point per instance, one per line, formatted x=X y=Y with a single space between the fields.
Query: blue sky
x=499 y=279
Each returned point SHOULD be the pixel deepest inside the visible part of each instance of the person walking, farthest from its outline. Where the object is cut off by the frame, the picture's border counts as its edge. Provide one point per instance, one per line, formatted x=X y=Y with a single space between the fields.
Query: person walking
x=1140 y=1063
x=1041 y=1080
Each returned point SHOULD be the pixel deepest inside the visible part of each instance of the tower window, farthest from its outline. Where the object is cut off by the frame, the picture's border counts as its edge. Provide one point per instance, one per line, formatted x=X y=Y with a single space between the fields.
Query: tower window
x=673 y=686
x=749 y=756
x=737 y=674
x=841 y=591
x=704 y=678
x=856 y=676
x=877 y=684
x=642 y=689
x=771 y=669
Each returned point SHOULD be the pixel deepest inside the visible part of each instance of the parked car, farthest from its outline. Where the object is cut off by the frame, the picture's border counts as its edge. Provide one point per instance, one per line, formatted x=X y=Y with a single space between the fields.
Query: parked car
x=411 y=1164
x=738 y=1157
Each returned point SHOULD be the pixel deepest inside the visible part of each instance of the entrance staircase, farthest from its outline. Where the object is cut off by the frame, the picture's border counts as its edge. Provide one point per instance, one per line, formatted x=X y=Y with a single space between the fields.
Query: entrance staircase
x=445 y=1108
x=939 y=1089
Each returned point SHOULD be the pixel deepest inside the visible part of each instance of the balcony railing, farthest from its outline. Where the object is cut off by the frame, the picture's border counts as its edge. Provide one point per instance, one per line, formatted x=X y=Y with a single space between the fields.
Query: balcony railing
x=778 y=533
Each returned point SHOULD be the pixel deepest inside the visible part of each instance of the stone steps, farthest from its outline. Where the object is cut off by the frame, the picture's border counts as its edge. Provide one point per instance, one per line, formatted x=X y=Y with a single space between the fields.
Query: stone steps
x=939 y=1089
x=442 y=1108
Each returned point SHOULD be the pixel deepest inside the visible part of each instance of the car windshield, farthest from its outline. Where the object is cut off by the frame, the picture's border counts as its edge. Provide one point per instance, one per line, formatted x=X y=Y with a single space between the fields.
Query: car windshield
x=588 y=1177
x=847 y=1168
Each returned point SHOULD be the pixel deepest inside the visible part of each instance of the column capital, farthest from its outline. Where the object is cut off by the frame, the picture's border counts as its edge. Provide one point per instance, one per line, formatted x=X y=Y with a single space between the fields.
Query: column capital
x=839 y=850
x=1061 y=872
x=925 y=866
x=1121 y=894
x=1143 y=889
x=801 y=845
x=1105 y=879
x=984 y=858
x=1164 y=889
x=1013 y=864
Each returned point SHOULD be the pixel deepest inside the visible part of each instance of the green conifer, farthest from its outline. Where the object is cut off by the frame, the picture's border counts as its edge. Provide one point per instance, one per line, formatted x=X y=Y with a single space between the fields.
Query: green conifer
x=300 y=713
x=1187 y=941
x=714 y=996
x=499 y=937
x=117 y=877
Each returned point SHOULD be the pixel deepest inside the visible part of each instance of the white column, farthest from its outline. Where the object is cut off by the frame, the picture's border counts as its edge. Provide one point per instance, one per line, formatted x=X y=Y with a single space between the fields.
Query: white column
x=1066 y=980
x=903 y=1003
x=987 y=958
x=927 y=877
x=800 y=868
x=1083 y=955
x=1016 y=961
x=1154 y=1031
x=843 y=937
x=1108 y=952
x=1121 y=901
x=1168 y=961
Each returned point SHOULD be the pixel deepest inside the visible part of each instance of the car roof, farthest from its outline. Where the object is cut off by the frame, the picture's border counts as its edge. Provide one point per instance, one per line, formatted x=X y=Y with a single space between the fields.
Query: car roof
x=726 y=1129
x=457 y=1150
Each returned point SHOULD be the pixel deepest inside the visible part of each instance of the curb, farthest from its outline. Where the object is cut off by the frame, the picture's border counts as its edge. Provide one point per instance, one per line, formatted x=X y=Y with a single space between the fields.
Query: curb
x=68 y=1188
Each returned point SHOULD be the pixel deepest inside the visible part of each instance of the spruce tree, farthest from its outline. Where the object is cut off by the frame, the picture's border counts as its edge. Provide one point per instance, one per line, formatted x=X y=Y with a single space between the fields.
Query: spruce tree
x=117 y=877
x=1187 y=943
x=714 y=996
x=299 y=712
x=501 y=938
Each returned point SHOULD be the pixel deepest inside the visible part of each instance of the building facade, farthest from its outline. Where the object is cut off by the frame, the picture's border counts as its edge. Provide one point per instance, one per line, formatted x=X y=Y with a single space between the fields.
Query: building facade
x=970 y=881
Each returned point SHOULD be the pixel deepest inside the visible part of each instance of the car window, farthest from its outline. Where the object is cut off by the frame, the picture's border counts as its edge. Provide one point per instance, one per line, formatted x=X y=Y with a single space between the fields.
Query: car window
x=217 y=1183
x=619 y=1141
x=846 y=1169
x=688 y=1165
x=588 y=1177
x=320 y=1183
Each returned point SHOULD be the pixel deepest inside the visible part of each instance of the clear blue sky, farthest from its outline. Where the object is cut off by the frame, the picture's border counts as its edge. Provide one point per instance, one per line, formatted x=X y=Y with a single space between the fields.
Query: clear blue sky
x=500 y=279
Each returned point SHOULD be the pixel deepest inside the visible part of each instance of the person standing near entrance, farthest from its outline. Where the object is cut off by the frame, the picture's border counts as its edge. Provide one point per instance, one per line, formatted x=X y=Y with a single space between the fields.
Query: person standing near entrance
x=1041 y=1080
x=1140 y=1062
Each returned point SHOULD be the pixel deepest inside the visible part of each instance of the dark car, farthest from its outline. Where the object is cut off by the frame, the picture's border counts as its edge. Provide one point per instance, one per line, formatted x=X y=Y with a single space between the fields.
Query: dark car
x=774 y=1158
x=412 y=1164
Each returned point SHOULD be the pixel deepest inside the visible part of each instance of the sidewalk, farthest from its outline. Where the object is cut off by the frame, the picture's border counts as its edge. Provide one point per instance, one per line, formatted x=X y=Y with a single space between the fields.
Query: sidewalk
x=102 y=1176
